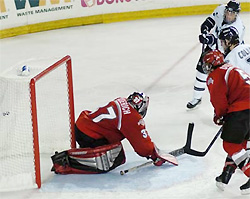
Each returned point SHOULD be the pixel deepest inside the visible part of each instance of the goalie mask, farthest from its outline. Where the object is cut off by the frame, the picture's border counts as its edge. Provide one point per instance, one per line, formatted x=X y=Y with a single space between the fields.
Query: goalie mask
x=139 y=101
x=231 y=12
x=212 y=60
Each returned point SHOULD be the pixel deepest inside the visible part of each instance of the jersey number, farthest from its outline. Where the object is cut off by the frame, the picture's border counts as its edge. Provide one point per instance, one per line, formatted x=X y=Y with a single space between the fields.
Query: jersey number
x=144 y=133
x=110 y=115
x=244 y=76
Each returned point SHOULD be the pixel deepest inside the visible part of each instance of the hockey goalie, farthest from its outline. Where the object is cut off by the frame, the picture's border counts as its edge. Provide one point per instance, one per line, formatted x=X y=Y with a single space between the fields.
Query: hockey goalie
x=99 y=135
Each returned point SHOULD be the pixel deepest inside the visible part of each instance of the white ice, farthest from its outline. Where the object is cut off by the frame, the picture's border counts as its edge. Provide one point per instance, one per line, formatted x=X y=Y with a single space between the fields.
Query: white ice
x=157 y=56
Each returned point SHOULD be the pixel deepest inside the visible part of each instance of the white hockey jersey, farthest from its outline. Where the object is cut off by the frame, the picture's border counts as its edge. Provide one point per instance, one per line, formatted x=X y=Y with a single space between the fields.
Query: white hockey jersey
x=240 y=57
x=218 y=17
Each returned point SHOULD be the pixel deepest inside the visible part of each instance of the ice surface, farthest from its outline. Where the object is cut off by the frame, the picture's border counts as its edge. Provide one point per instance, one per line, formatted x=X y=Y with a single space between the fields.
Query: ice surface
x=110 y=60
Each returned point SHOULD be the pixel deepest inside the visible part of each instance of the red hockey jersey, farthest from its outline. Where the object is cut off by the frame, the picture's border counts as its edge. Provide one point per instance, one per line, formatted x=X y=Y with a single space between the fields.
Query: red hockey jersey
x=229 y=89
x=116 y=121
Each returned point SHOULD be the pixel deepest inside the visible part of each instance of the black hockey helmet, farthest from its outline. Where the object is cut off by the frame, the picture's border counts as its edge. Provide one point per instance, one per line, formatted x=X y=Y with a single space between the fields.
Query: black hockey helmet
x=231 y=12
x=139 y=101
x=233 y=6
x=230 y=34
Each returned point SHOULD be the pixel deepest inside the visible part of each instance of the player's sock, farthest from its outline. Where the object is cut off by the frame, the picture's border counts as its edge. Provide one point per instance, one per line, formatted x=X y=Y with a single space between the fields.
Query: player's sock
x=199 y=89
x=242 y=159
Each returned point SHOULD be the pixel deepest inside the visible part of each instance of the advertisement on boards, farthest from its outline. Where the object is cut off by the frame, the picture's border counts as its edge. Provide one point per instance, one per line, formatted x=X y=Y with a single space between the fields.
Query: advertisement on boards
x=14 y=13
x=17 y=13
x=23 y=12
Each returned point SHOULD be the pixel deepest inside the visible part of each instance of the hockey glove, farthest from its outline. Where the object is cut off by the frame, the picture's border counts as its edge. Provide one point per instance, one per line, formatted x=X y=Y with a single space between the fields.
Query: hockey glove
x=207 y=25
x=159 y=157
x=218 y=120
x=158 y=161
x=207 y=39
x=204 y=29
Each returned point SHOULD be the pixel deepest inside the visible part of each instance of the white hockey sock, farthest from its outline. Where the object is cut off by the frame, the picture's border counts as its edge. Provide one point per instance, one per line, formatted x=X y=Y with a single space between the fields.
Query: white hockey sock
x=248 y=148
x=240 y=156
x=242 y=159
x=199 y=85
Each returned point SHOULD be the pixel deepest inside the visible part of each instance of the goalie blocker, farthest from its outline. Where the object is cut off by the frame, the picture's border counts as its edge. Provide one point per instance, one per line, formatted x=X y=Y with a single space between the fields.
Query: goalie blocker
x=89 y=160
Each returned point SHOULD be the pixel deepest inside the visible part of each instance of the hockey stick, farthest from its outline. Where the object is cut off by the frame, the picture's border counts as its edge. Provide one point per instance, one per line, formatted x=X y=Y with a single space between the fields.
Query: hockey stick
x=186 y=149
x=175 y=153
x=203 y=44
x=122 y=172
x=203 y=48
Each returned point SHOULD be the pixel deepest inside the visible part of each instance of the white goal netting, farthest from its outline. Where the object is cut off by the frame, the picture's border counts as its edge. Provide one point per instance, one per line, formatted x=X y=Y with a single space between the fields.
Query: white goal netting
x=18 y=169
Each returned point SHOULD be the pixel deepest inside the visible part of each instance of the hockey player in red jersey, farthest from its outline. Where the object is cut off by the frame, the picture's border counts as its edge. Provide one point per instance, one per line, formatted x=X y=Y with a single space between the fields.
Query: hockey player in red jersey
x=229 y=89
x=99 y=134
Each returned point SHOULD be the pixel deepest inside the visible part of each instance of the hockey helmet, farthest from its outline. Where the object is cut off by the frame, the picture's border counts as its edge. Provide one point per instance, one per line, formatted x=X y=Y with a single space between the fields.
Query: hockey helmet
x=139 y=101
x=233 y=6
x=231 y=12
x=212 y=60
x=230 y=34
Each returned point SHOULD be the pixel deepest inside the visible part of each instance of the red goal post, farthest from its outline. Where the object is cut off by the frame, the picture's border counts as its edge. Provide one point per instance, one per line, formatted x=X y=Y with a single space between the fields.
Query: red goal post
x=67 y=60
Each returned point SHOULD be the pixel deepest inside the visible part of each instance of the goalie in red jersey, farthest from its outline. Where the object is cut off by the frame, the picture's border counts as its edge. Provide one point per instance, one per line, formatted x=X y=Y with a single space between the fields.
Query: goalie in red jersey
x=229 y=89
x=99 y=135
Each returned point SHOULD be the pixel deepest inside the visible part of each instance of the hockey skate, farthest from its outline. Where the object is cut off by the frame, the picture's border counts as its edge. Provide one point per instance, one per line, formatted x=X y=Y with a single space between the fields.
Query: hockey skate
x=194 y=103
x=245 y=188
x=223 y=179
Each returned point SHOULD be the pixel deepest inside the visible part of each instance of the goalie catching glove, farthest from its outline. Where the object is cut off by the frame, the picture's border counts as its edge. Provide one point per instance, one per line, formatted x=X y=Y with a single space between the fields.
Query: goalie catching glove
x=159 y=157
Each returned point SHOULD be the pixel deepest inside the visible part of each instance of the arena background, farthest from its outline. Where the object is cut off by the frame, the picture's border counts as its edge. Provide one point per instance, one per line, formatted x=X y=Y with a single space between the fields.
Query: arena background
x=22 y=17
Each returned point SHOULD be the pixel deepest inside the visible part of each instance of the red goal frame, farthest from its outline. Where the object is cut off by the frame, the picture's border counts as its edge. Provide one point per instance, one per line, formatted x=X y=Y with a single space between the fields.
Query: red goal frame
x=32 y=85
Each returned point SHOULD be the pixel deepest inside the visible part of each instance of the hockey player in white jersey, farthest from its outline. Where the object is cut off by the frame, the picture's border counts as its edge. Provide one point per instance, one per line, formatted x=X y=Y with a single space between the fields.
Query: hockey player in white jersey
x=235 y=53
x=223 y=16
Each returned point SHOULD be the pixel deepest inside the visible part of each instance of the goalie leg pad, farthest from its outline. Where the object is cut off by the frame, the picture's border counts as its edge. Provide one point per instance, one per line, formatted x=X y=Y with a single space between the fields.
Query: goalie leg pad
x=62 y=164
x=89 y=160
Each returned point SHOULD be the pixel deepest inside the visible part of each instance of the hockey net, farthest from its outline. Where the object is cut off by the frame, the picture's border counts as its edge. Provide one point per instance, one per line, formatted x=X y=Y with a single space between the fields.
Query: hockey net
x=37 y=119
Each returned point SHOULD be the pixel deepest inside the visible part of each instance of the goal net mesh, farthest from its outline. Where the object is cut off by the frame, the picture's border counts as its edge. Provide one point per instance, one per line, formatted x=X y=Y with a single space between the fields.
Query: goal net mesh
x=54 y=127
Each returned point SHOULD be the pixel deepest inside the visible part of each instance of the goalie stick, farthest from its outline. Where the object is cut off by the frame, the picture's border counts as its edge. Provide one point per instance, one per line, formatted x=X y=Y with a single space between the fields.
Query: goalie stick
x=122 y=172
x=185 y=149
